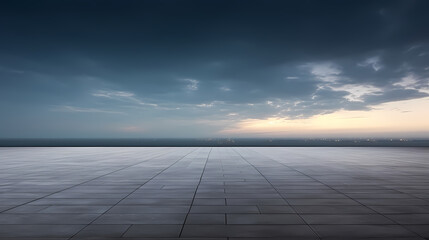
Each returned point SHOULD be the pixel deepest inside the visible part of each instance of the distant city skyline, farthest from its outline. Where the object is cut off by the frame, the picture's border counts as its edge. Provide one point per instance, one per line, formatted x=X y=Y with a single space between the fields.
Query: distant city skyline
x=189 y=69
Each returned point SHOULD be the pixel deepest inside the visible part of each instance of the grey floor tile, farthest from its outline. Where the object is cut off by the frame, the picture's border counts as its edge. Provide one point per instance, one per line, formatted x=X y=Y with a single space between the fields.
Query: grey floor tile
x=201 y=231
x=209 y=201
x=362 y=231
x=276 y=209
x=333 y=209
x=273 y=238
x=400 y=209
x=115 y=231
x=394 y=202
x=421 y=230
x=159 y=231
x=202 y=218
x=46 y=218
x=145 y=218
x=156 y=202
x=264 y=219
x=410 y=218
x=15 y=201
x=224 y=209
x=320 y=201
x=314 y=196
x=74 y=209
x=149 y=209
x=74 y=201
x=27 y=209
x=284 y=231
x=39 y=231
x=368 y=219
x=246 y=201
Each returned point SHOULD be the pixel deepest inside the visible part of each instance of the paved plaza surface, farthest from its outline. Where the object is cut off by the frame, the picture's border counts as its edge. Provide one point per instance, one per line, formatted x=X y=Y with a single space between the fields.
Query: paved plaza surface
x=214 y=193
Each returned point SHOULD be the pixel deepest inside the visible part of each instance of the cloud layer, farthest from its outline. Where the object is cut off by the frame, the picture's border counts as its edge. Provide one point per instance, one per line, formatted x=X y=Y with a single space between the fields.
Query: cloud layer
x=194 y=68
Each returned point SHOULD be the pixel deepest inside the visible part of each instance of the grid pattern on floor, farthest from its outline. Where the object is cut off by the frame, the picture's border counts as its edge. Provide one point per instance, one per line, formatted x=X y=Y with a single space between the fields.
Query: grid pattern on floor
x=214 y=193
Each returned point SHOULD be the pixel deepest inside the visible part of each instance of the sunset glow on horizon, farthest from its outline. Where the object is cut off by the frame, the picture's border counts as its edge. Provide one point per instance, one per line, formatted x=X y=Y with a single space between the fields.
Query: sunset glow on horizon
x=395 y=119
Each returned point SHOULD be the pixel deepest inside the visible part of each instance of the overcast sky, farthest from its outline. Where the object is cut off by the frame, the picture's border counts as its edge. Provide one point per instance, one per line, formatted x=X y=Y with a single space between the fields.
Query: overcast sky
x=210 y=68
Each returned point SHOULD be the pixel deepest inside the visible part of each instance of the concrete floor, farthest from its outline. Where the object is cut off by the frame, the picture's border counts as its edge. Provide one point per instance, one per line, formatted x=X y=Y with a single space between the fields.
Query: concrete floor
x=214 y=193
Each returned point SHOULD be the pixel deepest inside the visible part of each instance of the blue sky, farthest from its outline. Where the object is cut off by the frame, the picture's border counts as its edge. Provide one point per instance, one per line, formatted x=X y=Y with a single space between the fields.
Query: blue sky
x=210 y=68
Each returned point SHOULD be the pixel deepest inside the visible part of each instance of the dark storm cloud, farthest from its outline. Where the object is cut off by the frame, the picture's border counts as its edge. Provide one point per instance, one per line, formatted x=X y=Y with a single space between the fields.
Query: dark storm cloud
x=188 y=60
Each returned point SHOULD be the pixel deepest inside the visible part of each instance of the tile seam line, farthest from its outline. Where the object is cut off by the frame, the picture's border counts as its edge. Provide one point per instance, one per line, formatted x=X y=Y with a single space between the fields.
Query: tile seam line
x=299 y=215
x=338 y=191
x=83 y=182
x=122 y=235
x=195 y=193
x=132 y=193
